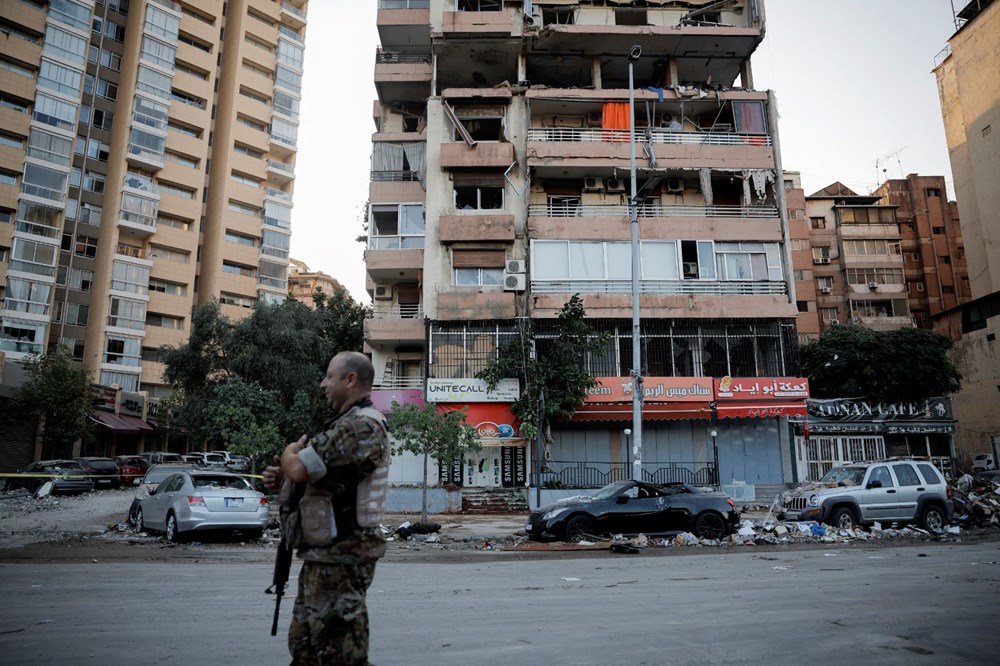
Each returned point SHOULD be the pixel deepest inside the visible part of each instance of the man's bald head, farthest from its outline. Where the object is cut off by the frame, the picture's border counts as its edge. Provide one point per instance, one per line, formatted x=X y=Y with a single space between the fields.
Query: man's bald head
x=359 y=364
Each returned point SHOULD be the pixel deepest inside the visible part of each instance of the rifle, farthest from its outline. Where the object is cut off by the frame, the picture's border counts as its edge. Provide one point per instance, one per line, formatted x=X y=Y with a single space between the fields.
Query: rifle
x=288 y=501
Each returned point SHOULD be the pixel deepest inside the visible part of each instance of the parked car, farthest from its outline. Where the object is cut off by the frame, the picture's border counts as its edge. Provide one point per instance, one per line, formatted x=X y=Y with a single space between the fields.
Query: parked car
x=233 y=462
x=195 y=458
x=154 y=476
x=103 y=471
x=67 y=476
x=195 y=501
x=215 y=461
x=633 y=507
x=905 y=491
x=131 y=469
x=984 y=462
x=162 y=457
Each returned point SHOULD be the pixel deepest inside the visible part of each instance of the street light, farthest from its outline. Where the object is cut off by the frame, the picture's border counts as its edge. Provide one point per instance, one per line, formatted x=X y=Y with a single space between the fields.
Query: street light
x=715 y=454
x=633 y=56
x=628 y=454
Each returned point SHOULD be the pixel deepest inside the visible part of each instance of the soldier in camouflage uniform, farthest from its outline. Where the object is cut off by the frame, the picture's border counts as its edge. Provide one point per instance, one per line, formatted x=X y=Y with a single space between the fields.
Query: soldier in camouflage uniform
x=342 y=475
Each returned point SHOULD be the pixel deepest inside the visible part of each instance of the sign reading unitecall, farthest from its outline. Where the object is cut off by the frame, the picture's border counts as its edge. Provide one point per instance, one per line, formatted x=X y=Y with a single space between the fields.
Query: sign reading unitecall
x=470 y=389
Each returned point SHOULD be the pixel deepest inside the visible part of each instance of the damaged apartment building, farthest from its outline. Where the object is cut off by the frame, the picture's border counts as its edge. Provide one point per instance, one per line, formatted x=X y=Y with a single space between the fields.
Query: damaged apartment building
x=500 y=187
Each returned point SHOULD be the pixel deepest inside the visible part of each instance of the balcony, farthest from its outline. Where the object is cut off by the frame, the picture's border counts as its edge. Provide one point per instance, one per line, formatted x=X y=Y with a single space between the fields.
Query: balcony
x=144 y=158
x=457 y=306
x=402 y=76
x=486 y=227
x=133 y=252
x=282 y=146
x=395 y=176
x=388 y=265
x=404 y=22
x=398 y=323
x=479 y=23
x=280 y=172
x=482 y=155
x=293 y=16
x=660 y=287
x=277 y=195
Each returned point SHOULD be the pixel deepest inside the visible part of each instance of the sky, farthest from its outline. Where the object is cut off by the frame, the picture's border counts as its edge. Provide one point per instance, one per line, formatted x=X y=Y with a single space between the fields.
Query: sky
x=857 y=102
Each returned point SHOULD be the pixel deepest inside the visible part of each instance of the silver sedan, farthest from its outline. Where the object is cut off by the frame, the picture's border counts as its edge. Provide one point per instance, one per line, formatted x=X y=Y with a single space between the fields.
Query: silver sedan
x=192 y=501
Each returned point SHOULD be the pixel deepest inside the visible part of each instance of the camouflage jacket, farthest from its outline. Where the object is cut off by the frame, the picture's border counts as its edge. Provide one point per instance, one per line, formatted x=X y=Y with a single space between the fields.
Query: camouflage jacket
x=337 y=460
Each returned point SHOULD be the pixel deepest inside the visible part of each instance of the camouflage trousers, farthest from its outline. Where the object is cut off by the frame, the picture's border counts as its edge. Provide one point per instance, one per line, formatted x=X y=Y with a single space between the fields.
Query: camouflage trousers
x=330 y=619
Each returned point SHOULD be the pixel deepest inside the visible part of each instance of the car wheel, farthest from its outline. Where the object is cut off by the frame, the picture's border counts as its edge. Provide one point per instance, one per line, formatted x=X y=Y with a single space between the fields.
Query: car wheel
x=137 y=521
x=932 y=519
x=578 y=527
x=171 y=532
x=842 y=519
x=710 y=525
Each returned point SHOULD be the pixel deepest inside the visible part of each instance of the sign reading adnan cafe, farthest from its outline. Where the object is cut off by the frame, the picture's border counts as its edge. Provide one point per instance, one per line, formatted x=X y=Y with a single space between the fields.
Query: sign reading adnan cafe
x=847 y=415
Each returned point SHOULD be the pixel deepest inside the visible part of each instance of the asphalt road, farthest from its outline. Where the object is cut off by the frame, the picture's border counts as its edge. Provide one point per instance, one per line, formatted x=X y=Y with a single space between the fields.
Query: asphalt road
x=934 y=603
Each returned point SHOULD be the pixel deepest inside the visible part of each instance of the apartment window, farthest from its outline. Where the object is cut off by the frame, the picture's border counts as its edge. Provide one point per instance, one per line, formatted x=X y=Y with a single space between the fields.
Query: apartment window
x=937 y=230
x=75 y=346
x=165 y=321
x=85 y=246
x=278 y=215
x=98 y=150
x=80 y=279
x=77 y=314
x=245 y=179
x=802 y=306
x=169 y=254
x=817 y=222
x=284 y=131
x=177 y=190
x=168 y=288
x=129 y=277
x=123 y=351
x=236 y=299
x=154 y=82
x=259 y=17
x=244 y=209
x=238 y=269
x=870 y=215
x=947 y=289
x=94 y=182
x=291 y=54
x=396 y=226
x=241 y=239
x=477 y=267
x=273 y=275
x=52 y=111
x=126 y=380
x=126 y=313
x=286 y=104
x=8 y=177
x=183 y=160
x=259 y=43
x=800 y=275
x=4 y=256
x=275 y=244
x=11 y=141
x=829 y=315
x=65 y=45
x=185 y=98
x=158 y=53
x=158 y=22
x=864 y=276
x=247 y=150
x=42 y=182
x=825 y=282
x=7 y=102
x=879 y=308
x=479 y=197
x=102 y=119
x=748 y=261
x=256 y=69
x=933 y=192
x=173 y=222
x=191 y=41
x=871 y=247
x=50 y=147
x=114 y=31
x=249 y=122
x=21 y=336
x=27 y=296
x=249 y=94
x=10 y=66
x=596 y=260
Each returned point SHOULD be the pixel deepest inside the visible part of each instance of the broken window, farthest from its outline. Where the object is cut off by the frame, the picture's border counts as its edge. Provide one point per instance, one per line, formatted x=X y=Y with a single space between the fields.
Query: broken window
x=397 y=226
x=558 y=16
x=479 y=5
x=631 y=17
x=481 y=129
x=749 y=117
x=697 y=260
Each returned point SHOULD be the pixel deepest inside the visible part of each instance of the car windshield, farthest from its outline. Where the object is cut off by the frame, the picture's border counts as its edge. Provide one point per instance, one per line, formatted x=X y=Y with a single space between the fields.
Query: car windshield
x=610 y=490
x=237 y=482
x=844 y=476
x=103 y=464
x=67 y=465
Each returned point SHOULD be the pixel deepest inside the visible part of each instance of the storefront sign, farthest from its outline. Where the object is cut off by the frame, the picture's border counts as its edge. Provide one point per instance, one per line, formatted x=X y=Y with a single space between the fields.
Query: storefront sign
x=133 y=404
x=761 y=388
x=470 y=389
x=654 y=389
x=856 y=409
x=494 y=423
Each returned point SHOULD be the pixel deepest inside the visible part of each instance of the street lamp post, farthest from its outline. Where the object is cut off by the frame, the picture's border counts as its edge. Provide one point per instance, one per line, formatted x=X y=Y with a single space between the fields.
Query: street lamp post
x=634 y=53
x=628 y=452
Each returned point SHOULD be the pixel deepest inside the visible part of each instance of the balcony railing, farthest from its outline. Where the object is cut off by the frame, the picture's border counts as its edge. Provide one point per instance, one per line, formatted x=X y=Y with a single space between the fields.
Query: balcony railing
x=401 y=383
x=563 y=134
x=269 y=281
x=141 y=182
x=394 y=176
x=289 y=32
x=20 y=346
x=401 y=58
x=575 y=474
x=399 y=311
x=404 y=4
x=38 y=229
x=280 y=166
x=169 y=5
x=395 y=242
x=277 y=194
x=650 y=210
x=130 y=251
x=294 y=11
x=661 y=287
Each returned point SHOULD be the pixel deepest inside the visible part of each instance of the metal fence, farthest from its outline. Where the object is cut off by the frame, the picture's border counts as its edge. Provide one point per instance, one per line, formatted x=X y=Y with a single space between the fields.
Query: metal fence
x=575 y=474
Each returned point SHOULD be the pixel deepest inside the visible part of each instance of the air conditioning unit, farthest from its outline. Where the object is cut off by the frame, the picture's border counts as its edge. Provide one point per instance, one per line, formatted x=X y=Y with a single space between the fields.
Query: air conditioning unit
x=614 y=185
x=595 y=119
x=826 y=290
x=675 y=185
x=383 y=292
x=873 y=285
x=514 y=266
x=821 y=260
x=593 y=185
x=690 y=268
x=514 y=282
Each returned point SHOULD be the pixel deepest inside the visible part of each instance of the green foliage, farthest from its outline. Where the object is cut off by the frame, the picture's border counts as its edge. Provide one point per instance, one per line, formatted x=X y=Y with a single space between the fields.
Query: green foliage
x=560 y=371
x=59 y=390
x=904 y=364
x=423 y=431
x=253 y=385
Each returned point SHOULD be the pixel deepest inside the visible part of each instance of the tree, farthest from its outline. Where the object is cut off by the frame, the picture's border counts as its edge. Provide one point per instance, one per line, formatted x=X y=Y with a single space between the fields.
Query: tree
x=255 y=384
x=425 y=432
x=910 y=364
x=558 y=370
x=57 y=393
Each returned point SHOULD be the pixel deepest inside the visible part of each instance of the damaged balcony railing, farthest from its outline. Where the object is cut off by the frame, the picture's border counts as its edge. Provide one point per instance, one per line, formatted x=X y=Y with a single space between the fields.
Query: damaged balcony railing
x=576 y=474
x=566 y=134
x=661 y=287
x=401 y=58
x=398 y=311
x=394 y=176
x=650 y=210
x=400 y=383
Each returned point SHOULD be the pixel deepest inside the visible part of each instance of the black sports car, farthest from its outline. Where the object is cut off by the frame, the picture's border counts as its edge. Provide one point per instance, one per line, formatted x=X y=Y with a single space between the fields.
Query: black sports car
x=633 y=507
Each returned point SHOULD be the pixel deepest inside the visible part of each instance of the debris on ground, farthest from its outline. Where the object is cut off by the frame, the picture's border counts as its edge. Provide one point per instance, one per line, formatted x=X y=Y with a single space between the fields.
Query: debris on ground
x=408 y=528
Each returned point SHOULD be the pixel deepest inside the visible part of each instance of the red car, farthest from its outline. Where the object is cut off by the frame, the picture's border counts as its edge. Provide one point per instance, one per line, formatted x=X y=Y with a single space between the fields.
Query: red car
x=131 y=469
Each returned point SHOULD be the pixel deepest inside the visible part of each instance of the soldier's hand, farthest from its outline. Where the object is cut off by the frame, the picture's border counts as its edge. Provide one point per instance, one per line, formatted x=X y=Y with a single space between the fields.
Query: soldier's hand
x=271 y=476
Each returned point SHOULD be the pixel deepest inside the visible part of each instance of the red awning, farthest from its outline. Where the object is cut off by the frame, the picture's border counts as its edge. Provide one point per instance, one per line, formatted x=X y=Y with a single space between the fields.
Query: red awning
x=651 y=411
x=760 y=410
x=120 y=424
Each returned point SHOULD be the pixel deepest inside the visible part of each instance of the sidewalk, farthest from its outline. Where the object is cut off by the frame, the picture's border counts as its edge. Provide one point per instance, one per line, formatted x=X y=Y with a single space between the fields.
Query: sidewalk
x=467 y=527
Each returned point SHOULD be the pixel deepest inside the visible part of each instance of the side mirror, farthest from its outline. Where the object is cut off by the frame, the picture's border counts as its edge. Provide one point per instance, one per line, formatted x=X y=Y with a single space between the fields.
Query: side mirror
x=874 y=484
x=621 y=499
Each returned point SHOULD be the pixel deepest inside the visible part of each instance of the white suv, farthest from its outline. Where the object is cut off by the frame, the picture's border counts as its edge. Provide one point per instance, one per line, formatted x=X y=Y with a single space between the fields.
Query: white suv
x=905 y=491
x=233 y=462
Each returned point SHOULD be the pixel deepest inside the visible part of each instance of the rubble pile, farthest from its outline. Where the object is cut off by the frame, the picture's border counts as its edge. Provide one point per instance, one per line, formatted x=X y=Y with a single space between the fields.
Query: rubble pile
x=977 y=501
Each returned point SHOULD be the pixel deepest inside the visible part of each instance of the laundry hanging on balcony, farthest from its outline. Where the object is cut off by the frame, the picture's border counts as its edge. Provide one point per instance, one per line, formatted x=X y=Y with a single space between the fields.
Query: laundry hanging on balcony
x=759 y=178
x=615 y=116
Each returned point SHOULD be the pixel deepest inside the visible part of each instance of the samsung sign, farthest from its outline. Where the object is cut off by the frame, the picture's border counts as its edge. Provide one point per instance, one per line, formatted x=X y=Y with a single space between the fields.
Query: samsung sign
x=471 y=390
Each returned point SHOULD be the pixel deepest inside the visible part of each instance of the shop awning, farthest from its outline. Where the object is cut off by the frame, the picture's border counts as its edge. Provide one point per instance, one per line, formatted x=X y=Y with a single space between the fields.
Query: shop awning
x=651 y=411
x=760 y=410
x=120 y=424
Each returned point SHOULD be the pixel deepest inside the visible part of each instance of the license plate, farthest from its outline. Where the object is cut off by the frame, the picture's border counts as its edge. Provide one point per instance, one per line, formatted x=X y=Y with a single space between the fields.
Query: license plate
x=234 y=501
x=527 y=527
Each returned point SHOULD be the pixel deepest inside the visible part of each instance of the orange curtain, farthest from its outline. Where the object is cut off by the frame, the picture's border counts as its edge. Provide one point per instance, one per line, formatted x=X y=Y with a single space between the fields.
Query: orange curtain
x=615 y=116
